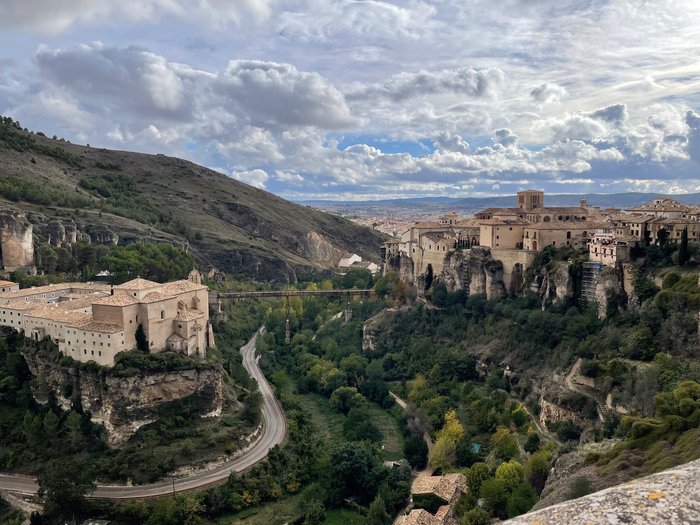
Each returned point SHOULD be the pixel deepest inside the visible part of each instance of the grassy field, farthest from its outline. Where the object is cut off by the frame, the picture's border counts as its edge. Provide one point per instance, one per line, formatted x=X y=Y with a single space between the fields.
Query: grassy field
x=330 y=424
x=287 y=511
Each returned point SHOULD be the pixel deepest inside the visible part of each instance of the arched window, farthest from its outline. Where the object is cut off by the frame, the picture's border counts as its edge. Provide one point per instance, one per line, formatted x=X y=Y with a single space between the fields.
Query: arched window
x=162 y=314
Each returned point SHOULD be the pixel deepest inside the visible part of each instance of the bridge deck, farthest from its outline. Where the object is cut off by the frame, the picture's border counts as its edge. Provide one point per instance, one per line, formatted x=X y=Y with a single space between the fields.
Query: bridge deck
x=289 y=293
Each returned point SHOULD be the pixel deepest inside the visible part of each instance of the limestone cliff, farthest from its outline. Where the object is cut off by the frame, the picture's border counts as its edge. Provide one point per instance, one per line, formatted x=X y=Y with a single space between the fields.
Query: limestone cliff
x=16 y=240
x=554 y=283
x=124 y=404
x=474 y=271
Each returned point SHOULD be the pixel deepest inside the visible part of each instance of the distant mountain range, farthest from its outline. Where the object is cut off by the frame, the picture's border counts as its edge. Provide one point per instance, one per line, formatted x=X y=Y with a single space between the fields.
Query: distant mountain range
x=468 y=205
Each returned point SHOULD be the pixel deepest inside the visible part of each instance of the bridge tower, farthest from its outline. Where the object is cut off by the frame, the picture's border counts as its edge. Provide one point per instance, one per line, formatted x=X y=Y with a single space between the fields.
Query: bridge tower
x=348 y=310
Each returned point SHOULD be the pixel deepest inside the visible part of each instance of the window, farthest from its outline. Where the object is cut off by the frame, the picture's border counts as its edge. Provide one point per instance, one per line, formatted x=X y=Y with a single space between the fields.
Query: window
x=162 y=314
x=99 y=353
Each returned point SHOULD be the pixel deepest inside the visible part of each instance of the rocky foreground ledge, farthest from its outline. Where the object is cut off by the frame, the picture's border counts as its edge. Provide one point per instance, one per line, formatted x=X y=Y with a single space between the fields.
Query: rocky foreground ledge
x=669 y=497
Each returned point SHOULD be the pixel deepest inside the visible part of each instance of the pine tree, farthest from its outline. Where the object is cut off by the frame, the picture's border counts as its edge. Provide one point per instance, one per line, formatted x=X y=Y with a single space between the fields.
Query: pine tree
x=683 y=252
x=377 y=514
x=141 y=339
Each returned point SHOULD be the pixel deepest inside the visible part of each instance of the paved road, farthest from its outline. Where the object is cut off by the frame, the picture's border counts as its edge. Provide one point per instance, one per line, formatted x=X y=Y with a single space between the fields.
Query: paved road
x=274 y=431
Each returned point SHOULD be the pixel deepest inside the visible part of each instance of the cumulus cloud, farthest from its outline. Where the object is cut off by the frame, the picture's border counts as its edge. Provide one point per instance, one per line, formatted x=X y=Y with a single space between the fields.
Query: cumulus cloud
x=131 y=79
x=256 y=177
x=505 y=137
x=692 y=119
x=50 y=16
x=272 y=93
x=615 y=114
x=446 y=141
x=548 y=93
x=461 y=81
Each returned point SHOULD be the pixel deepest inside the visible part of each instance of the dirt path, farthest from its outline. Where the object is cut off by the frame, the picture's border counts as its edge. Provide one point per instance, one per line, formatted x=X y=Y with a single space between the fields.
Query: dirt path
x=427 y=471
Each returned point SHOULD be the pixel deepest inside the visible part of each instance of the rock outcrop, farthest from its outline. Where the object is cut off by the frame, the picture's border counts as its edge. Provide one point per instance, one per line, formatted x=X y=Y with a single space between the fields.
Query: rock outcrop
x=474 y=271
x=16 y=240
x=123 y=404
x=554 y=283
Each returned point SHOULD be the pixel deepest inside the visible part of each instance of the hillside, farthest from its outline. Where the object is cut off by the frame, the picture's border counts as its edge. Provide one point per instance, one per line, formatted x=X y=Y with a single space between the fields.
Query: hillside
x=152 y=198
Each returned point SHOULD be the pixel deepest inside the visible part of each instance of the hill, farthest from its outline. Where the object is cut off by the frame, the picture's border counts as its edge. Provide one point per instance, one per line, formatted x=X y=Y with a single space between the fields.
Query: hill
x=136 y=197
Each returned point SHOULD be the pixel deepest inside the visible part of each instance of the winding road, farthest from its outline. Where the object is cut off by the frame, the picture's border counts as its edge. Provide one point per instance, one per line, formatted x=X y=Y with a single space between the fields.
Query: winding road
x=274 y=431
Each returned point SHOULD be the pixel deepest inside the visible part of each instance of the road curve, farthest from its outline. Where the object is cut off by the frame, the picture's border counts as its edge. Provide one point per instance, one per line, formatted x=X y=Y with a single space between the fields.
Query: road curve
x=274 y=431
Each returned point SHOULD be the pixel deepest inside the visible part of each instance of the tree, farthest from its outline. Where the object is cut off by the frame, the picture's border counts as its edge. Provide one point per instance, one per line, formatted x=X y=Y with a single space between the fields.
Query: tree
x=683 y=252
x=476 y=516
x=476 y=475
x=358 y=426
x=495 y=494
x=511 y=473
x=64 y=484
x=377 y=514
x=352 y=473
x=50 y=425
x=141 y=339
x=416 y=451
x=314 y=512
x=521 y=500
x=504 y=443
x=345 y=398
x=74 y=427
x=443 y=454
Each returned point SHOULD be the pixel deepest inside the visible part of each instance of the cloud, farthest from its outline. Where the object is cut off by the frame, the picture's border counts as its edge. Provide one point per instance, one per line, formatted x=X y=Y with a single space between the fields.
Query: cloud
x=446 y=141
x=256 y=177
x=469 y=82
x=692 y=119
x=131 y=79
x=615 y=114
x=505 y=137
x=548 y=93
x=278 y=94
x=49 y=16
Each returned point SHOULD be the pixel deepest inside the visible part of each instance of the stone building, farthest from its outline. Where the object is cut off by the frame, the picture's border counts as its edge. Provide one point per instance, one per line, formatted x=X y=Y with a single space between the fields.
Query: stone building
x=435 y=498
x=609 y=247
x=94 y=322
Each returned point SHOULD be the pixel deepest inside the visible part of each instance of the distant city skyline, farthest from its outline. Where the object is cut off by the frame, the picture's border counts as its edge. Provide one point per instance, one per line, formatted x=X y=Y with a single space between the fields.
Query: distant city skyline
x=342 y=99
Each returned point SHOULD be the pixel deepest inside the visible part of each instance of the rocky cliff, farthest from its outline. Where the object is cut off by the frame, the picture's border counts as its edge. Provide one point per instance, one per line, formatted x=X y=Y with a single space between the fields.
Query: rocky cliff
x=474 y=271
x=123 y=404
x=16 y=240
x=553 y=283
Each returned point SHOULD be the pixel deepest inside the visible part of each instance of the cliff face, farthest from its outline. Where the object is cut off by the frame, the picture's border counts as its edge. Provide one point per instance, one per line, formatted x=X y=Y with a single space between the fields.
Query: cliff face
x=554 y=283
x=474 y=271
x=16 y=240
x=125 y=404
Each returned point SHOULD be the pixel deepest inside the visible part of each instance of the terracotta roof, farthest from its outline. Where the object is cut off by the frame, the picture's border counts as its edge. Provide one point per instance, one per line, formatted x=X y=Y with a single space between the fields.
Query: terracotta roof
x=444 y=487
x=493 y=210
x=24 y=292
x=674 y=220
x=468 y=223
x=560 y=209
x=137 y=284
x=21 y=305
x=8 y=283
x=154 y=297
x=60 y=315
x=175 y=337
x=118 y=299
x=504 y=222
x=178 y=287
x=96 y=326
x=435 y=237
x=429 y=224
x=188 y=315
x=419 y=517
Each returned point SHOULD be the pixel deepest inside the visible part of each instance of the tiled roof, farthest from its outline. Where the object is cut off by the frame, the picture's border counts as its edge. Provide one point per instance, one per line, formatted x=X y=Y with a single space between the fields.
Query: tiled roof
x=419 y=517
x=21 y=305
x=137 y=284
x=443 y=487
x=96 y=326
x=154 y=297
x=429 y=224
x=178 y=287
x=118 y=299
x=175 y=337
x=8 y=283
x=24 y=292
x=60 y=315
x=188 y=315
x=504 y=222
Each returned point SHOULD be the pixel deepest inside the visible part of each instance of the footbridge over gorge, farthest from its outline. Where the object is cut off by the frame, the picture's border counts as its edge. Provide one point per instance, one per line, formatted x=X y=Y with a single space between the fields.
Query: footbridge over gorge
x=215 y=298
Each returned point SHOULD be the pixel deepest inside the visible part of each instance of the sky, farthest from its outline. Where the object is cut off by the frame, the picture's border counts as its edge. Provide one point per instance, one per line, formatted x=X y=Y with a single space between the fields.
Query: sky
x=366 y=99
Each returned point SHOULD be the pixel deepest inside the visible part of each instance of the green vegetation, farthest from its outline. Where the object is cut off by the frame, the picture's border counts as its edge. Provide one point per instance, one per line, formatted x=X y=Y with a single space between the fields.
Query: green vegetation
x=83 y=260
x=32 y=435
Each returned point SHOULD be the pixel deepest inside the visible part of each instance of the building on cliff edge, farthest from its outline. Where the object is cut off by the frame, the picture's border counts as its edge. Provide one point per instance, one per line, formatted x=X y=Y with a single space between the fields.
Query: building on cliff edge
x=94 y=322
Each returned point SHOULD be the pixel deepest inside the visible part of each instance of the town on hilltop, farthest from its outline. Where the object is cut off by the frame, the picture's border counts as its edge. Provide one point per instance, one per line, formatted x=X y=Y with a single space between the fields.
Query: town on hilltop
x=515 y=235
